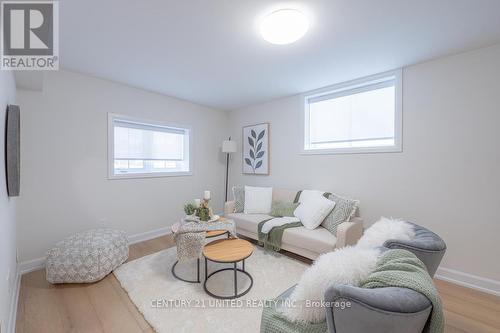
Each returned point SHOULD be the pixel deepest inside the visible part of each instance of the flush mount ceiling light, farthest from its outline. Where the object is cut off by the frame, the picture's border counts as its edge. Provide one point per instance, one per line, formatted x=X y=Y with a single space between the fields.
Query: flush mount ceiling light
x=284 y=26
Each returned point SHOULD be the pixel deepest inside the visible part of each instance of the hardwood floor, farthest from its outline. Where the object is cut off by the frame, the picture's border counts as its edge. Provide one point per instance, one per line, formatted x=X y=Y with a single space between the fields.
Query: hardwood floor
x=105 y=307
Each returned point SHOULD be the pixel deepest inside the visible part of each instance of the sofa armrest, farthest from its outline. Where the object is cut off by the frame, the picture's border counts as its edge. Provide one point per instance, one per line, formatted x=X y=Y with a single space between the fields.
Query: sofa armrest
x=426 y=245
x=378 y=310
x=348 y=233
x=228 y=207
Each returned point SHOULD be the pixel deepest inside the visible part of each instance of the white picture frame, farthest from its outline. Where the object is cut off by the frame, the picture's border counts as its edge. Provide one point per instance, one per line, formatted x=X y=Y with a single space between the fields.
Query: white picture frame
x=255 y=159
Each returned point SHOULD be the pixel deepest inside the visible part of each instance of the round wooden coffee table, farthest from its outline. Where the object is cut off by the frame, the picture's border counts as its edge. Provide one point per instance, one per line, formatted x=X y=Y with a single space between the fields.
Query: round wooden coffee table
x=209 y=234
x=215 y=233
x=231 y=250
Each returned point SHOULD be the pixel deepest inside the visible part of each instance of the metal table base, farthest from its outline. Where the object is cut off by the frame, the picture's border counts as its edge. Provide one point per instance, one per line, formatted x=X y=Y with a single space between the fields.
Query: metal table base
x=235 y=269
x=190 y=281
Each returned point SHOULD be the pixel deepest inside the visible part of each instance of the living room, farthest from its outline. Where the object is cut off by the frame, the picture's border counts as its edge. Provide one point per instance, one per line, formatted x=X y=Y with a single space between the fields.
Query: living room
x=203 y=166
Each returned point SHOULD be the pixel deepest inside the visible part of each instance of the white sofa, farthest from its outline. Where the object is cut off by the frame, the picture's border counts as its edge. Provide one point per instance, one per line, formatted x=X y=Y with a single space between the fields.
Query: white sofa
x=302 y=241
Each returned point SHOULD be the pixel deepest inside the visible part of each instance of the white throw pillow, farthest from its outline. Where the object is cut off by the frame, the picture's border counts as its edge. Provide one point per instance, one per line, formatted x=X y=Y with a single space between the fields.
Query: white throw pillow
x=385 y=229
x=307 y=195
x=348 y=265
x=258 y=200
x=313 y=211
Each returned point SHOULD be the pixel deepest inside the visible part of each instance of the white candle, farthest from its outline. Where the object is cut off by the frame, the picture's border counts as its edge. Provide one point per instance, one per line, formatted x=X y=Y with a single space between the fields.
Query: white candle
x=206 y=195
x=197 y=202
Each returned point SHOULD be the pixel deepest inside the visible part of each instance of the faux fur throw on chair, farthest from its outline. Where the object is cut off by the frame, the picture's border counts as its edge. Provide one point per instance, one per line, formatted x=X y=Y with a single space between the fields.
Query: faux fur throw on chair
x=385 y=229
x=348 y=265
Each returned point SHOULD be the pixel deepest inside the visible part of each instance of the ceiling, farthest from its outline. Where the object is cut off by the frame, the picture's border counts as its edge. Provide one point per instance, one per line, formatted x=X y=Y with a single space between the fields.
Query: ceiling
x=210 y=52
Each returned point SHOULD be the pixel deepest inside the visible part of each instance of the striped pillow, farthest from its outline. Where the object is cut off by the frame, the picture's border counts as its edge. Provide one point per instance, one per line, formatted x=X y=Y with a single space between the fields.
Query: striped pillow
x=239 y=198
x=343 y=211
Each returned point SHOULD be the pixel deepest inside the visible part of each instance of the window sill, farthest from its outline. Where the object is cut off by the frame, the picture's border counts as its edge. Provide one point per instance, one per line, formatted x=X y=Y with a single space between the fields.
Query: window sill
x=342 y=151
x=149 y=175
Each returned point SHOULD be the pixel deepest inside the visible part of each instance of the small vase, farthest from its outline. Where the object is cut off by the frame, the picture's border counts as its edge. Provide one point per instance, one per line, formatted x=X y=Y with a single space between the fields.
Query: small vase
x=191 y=217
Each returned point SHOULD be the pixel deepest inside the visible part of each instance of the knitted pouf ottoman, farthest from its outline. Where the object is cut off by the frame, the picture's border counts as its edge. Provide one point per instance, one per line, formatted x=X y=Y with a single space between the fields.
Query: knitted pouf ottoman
x=87 y=256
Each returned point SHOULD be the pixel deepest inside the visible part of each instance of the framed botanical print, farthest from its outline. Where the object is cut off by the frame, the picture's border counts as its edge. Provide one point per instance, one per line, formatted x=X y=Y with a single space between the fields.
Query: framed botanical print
x=256 y=149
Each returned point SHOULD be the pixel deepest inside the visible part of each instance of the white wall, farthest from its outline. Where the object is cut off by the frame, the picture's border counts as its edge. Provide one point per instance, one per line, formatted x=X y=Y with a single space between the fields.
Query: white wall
x=448 y=176
x=64 y=161
x=8 y=264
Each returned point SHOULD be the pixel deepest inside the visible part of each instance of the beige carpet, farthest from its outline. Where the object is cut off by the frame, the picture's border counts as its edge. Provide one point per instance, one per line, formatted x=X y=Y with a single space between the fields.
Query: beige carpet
x=153 y=290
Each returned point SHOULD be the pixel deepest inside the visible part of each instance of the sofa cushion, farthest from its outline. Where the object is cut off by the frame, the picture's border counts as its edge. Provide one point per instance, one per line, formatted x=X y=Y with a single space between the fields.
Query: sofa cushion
x=318 y=240
x=284 y=195
x=248 y=222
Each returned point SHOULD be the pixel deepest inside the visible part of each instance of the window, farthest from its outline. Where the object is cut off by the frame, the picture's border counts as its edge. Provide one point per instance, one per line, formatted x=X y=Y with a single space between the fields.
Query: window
x=360 y=116
x=147 y=149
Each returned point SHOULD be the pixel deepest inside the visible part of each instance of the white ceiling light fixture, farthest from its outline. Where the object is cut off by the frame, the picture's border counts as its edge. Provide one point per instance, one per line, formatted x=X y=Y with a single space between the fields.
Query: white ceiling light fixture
x=284 y=26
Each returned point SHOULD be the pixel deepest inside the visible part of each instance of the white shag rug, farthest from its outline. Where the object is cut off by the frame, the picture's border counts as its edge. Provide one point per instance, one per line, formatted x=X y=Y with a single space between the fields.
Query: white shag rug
x=159 y=296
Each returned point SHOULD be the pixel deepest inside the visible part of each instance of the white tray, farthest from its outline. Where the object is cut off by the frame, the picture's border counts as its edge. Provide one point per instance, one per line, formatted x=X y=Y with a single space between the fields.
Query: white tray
x=197 y=219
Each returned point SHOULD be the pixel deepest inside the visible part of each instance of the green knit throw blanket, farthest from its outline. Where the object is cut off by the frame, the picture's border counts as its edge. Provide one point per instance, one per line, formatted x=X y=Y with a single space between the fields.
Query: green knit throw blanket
x=273 y=321
x=400 y=268
x=272 y=240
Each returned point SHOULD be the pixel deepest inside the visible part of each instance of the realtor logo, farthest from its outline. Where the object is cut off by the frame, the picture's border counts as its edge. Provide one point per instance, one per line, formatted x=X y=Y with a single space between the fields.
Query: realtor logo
x=30 y=35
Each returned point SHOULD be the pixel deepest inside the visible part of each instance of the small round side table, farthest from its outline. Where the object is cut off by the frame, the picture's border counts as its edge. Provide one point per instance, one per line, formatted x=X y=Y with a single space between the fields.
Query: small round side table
x=231 y=250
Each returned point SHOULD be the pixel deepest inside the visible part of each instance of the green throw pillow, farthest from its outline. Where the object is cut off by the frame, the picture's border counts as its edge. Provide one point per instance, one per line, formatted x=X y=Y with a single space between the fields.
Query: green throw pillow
x=343 y=211
x=239 y=198
x=282 y=209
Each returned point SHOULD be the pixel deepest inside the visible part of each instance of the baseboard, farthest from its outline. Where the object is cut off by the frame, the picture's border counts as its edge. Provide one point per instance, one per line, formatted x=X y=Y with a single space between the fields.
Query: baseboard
x=14 y=297
x=486 y=285
x=137 y=238
x=31 y=265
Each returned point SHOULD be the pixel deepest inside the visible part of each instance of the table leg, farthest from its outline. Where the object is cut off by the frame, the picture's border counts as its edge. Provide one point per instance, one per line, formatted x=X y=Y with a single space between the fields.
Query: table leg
x=235 y=281
x=198 y=270
x=243 y=264
x=206 y=267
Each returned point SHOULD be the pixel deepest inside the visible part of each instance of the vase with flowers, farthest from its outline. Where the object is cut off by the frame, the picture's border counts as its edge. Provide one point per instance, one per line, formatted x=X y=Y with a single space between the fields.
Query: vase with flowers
x=200 y=210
